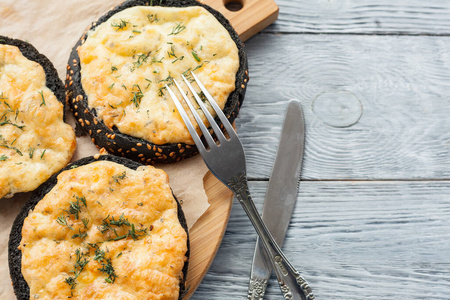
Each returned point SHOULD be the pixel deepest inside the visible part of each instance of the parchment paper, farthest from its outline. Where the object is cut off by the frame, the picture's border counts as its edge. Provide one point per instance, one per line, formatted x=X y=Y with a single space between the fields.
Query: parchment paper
x=53 y=27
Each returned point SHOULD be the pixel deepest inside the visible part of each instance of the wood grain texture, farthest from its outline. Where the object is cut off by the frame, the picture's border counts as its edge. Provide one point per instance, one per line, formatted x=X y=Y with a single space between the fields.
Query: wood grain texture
x=363 y=17
x=400 y=86
x=207 y=233
x=350 y=240
x=251 y=18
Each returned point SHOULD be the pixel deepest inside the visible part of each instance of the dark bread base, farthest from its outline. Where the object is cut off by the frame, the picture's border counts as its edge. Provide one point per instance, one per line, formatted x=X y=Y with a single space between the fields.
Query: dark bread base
x=20 y=286
x=128 y=146
x=51 y=75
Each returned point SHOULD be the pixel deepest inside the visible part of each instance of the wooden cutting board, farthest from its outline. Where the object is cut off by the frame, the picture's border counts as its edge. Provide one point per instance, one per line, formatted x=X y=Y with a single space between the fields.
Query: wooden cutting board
x=206 y=235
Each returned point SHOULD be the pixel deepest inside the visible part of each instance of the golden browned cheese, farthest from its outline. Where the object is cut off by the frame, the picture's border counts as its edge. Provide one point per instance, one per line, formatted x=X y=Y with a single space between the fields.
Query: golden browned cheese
x=127 y=61
x=105 y=232
x=34 y=140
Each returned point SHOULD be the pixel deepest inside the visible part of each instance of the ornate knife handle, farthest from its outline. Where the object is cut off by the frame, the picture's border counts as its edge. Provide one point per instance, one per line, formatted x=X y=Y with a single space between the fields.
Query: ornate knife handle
x=292 y=284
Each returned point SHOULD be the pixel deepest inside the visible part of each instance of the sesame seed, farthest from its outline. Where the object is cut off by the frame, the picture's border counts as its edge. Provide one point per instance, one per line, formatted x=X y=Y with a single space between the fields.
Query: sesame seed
x=139 y=144
x=149 y=147
x=133 y=149
x=160 y=150
x=113 y=136
x=87 y=122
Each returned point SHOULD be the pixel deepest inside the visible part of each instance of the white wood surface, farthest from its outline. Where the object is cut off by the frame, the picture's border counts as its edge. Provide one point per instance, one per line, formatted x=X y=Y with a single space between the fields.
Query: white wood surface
x=412 y=17
x=351 y=240
x=372 y=219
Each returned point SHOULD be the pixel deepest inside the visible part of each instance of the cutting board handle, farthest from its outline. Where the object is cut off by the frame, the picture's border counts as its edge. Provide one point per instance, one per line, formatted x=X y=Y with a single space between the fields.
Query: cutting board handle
x=248 y=17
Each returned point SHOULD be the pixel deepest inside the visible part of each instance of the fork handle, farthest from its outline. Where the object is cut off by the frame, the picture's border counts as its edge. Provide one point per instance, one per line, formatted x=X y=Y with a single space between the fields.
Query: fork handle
x=292 y=284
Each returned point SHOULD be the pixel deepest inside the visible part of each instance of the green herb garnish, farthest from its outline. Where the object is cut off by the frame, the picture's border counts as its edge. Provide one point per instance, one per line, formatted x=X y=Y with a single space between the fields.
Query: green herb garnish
x=31 y=152
x=195 y=56
x=43 y=99
x=142 y=58
x=137 y=96
x=152 y=18
x=177 y=29
x=122 y=24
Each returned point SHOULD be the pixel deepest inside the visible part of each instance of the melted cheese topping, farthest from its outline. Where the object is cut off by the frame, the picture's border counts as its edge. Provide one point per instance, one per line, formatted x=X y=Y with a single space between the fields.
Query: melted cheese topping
x=83 y=229
x=34 y=140
x=127 y=60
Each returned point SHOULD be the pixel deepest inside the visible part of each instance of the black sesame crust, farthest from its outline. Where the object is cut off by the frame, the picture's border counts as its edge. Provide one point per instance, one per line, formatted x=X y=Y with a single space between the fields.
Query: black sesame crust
x=53 y=82
x=20 y=286
x=128 y=146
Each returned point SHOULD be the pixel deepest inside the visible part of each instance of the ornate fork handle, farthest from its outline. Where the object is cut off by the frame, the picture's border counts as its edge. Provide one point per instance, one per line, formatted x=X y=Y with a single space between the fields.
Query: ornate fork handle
x=292 y=284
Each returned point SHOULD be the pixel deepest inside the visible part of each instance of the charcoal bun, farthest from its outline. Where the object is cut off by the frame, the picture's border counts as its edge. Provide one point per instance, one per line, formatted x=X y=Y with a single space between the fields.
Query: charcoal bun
x=20 y=286
x=137 y=149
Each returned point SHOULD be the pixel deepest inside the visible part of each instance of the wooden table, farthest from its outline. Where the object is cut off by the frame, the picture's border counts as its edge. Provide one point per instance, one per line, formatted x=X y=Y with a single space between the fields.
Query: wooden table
x=372 y=219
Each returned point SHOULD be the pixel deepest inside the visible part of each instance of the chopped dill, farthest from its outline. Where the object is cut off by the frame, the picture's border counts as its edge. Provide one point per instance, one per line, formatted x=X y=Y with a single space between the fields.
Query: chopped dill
x=43 y=99
x=152 y=18
x=122 y=24
x=137 y=96
x=61 y=220
x=31 y=152
x=195 y=56
x=177 y=29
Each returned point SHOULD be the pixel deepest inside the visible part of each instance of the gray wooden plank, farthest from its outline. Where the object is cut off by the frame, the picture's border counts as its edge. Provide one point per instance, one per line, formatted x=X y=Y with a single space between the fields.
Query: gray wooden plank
x=363 y=17
x=376 y=107
x=351 y=240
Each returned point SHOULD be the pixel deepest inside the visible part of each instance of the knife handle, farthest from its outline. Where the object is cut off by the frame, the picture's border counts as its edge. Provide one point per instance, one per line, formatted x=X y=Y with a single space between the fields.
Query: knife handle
x=292 y=284
x=257 y=289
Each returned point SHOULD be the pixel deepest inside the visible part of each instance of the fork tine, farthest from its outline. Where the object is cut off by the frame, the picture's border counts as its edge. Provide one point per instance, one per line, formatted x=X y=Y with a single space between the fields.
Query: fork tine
x=205 y=110
x=205 y=131
x=215 y=106
x=187 y=121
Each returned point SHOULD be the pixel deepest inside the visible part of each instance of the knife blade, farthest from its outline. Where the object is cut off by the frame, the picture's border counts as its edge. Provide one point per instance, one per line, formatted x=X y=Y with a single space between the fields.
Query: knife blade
x=281 y=194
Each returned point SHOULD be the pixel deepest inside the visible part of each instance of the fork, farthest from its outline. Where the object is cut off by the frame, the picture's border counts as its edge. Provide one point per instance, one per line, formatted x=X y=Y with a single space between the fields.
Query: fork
x=225 y=158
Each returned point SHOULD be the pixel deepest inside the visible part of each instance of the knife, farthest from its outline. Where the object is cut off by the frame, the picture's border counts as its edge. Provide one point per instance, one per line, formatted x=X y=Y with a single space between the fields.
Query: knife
x=281 y=194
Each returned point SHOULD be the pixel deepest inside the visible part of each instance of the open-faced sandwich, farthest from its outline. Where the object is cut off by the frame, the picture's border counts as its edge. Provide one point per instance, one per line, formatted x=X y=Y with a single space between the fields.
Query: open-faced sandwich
x=103 y=228
x=117 y=72
x=34 y=140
